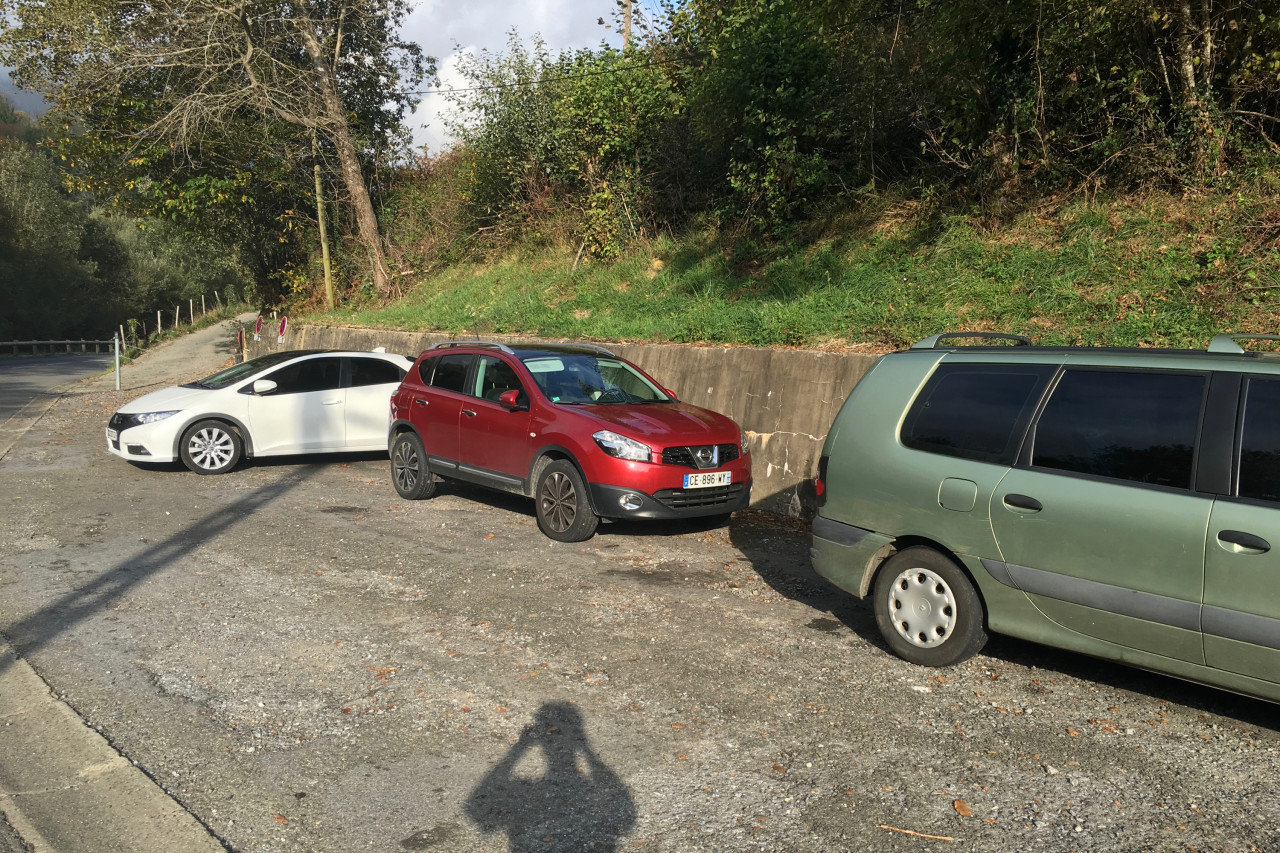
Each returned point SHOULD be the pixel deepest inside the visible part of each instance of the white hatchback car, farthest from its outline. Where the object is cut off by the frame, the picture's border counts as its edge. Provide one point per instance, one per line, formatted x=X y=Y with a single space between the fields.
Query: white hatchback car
x=301 y=401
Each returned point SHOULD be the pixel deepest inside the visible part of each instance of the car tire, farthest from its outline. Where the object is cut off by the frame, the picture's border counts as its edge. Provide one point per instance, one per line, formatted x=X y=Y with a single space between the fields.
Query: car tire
x=561 y=504
x=410 y=475
x=211 y=447
x=927 y=609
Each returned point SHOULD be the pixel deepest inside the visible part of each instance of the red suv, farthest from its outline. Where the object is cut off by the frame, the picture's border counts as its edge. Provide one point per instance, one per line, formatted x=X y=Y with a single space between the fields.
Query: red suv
x=585 y=433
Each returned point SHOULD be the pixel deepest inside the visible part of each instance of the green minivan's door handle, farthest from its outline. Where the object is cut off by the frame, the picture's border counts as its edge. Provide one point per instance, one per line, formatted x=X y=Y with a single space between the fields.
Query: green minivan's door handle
x=1018 y=502
x=1245 y=543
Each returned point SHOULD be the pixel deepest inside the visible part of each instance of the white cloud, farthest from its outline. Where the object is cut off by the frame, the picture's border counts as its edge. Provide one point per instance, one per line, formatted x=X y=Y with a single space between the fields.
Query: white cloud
x=446 y=29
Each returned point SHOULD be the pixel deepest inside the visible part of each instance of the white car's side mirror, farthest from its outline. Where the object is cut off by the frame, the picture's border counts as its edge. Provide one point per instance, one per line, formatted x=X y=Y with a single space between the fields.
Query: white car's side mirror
x=264 y=386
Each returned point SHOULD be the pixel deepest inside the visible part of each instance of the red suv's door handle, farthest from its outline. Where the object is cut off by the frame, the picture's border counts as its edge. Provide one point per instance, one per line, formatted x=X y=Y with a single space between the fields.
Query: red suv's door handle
x=468 y=412
x=420 y=402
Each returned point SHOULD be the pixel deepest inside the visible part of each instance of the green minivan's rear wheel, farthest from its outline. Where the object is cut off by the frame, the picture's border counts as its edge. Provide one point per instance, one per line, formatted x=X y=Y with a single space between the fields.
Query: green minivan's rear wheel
x=927 y=609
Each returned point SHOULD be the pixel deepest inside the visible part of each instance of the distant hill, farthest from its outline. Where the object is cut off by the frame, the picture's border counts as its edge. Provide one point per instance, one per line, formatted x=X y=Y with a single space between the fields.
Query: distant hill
x=29 y=102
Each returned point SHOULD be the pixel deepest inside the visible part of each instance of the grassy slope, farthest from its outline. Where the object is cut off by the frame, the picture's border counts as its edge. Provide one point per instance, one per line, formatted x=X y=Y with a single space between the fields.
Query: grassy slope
x=1159 y=271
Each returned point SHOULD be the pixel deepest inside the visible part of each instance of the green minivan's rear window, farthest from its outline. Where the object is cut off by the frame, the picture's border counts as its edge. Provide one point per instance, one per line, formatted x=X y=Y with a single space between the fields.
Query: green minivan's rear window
x=975 y=411
x=1260 y=441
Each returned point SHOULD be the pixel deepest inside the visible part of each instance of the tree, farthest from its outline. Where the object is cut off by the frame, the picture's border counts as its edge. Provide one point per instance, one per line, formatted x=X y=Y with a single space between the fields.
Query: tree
x=188 y=74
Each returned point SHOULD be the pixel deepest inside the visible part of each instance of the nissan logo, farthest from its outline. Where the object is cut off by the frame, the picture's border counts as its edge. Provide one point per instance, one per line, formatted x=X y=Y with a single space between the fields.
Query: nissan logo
x=707 y=457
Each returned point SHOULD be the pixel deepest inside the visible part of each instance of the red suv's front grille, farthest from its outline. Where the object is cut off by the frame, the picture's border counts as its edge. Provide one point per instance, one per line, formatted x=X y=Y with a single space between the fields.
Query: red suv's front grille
x=686 y=456
x=698 y=498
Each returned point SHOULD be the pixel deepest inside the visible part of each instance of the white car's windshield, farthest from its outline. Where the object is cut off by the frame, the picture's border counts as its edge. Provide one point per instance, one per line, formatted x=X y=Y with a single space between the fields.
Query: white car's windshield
x=591 y=380
x=245 y=369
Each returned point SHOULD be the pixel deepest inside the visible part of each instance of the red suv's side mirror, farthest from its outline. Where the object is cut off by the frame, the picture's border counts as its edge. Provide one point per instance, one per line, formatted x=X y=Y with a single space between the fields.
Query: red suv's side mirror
x=670 y=393
x=511 y=399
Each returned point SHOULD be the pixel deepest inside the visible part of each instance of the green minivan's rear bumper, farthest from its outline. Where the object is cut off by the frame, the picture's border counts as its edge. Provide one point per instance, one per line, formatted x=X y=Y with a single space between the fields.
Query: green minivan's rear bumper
x=847 y=555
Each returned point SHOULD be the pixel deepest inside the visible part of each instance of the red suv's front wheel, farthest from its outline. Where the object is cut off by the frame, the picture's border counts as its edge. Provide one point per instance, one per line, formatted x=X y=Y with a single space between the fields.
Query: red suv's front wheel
x=563 y=508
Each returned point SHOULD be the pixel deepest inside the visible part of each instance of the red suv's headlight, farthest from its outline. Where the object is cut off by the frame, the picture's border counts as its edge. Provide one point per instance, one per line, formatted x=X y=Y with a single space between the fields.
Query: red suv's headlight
x=622 y=447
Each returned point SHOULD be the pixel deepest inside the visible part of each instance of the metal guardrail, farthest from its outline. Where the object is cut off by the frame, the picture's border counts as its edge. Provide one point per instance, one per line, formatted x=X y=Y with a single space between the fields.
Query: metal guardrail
x=68 y=344
x=113 y=342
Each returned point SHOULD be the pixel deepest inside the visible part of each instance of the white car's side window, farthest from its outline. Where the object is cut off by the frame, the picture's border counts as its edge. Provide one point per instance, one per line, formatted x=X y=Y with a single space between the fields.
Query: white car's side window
x=313 y=374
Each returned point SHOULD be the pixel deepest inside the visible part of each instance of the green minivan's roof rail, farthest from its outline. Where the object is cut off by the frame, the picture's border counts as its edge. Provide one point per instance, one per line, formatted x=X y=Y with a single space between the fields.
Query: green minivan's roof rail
x=932 y=342
x=1224 y=344
x=1227 y=342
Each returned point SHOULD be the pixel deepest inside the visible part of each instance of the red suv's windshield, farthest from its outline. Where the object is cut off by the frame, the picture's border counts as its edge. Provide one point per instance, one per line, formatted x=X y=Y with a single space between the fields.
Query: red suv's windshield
x=589 y=379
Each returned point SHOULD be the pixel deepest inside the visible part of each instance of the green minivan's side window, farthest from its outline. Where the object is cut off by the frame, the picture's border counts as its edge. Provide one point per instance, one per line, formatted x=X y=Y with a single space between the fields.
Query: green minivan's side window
x=1260 y=442
x=975 y=411
x=1126 y=425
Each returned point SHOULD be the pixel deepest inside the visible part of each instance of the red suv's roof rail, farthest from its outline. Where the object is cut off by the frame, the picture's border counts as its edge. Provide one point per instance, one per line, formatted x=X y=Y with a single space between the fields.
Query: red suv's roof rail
x=487 y=344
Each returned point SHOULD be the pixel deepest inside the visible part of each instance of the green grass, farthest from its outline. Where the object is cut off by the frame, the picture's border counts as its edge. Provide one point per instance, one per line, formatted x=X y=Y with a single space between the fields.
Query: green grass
x=1158 y=272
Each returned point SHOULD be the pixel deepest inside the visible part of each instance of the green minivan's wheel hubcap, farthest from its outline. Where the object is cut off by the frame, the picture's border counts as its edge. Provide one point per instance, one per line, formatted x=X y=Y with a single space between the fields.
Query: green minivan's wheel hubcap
x=922 y=607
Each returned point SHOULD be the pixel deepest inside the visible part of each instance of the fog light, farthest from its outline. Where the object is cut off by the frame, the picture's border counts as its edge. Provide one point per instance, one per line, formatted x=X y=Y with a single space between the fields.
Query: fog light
x=139 y=450
x=630 y=501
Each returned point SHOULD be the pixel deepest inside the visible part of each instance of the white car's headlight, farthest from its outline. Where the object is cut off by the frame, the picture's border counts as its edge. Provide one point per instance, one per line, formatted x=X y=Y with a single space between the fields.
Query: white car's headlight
x=152 y=417
x=621 y=446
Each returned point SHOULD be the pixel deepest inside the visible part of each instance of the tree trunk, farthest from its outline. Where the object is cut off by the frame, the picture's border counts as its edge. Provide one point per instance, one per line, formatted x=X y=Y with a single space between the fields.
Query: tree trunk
x=339 y=132
x=1186 y=53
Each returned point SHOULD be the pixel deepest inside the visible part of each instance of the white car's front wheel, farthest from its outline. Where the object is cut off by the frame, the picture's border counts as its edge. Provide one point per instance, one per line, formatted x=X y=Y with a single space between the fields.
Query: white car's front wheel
x=211 y=447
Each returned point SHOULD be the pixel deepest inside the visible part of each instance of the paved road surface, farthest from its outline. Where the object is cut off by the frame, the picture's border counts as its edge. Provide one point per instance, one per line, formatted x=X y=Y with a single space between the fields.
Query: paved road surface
x=23 y=379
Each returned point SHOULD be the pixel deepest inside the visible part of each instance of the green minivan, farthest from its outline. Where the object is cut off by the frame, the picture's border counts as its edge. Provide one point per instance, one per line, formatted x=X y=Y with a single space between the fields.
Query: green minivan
x=1121 y=503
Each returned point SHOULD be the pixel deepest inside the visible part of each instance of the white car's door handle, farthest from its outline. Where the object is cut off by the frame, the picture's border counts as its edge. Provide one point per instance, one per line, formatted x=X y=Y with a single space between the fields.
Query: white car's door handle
x=332 y=402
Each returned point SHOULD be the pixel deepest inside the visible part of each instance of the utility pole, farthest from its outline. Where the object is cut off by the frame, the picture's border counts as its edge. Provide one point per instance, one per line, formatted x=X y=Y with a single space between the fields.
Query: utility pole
x=626 y=24
x=324 y=238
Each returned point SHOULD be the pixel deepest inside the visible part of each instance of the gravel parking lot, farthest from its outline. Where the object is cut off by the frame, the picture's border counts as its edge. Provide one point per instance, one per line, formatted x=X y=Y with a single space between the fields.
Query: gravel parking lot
x=306 y=662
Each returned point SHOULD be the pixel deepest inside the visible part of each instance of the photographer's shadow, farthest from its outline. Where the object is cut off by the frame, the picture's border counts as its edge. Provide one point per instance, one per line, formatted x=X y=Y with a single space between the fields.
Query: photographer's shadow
x=576 y=803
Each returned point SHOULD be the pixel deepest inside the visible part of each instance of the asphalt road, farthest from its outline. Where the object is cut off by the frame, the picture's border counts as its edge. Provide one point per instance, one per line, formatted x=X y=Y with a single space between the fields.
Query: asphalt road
x=23 y=379
x=306 y=662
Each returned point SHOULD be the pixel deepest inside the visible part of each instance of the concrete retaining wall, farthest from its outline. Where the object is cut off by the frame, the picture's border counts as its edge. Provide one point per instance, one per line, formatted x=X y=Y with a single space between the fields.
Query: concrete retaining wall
x=784 y=399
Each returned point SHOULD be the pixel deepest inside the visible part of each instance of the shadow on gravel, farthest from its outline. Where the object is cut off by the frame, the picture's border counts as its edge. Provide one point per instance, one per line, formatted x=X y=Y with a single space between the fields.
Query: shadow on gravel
x=269 y=462
x=576 y=804
x=37 y=630
x=1210 y=700
x=508 y=502
x=778 y=549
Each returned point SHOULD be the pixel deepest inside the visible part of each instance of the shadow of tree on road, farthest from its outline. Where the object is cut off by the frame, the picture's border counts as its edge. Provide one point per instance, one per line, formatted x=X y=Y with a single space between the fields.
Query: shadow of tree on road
x=36 y=630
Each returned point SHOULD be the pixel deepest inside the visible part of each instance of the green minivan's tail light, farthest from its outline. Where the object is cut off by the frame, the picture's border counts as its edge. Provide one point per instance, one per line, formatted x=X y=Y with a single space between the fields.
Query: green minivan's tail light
x=820 y=484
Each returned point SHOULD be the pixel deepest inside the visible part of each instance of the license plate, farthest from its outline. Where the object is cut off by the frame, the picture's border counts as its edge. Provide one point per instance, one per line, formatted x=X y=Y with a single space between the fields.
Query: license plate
x=702 y=481
x=112 y=435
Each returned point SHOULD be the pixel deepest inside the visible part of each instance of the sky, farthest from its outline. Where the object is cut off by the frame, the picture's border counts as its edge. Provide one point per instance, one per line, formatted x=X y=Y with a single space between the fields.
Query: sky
x=446 y=29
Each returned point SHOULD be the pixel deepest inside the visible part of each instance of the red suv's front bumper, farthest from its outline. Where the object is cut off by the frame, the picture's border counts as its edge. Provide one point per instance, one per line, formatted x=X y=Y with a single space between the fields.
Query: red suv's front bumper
x=654 y=490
